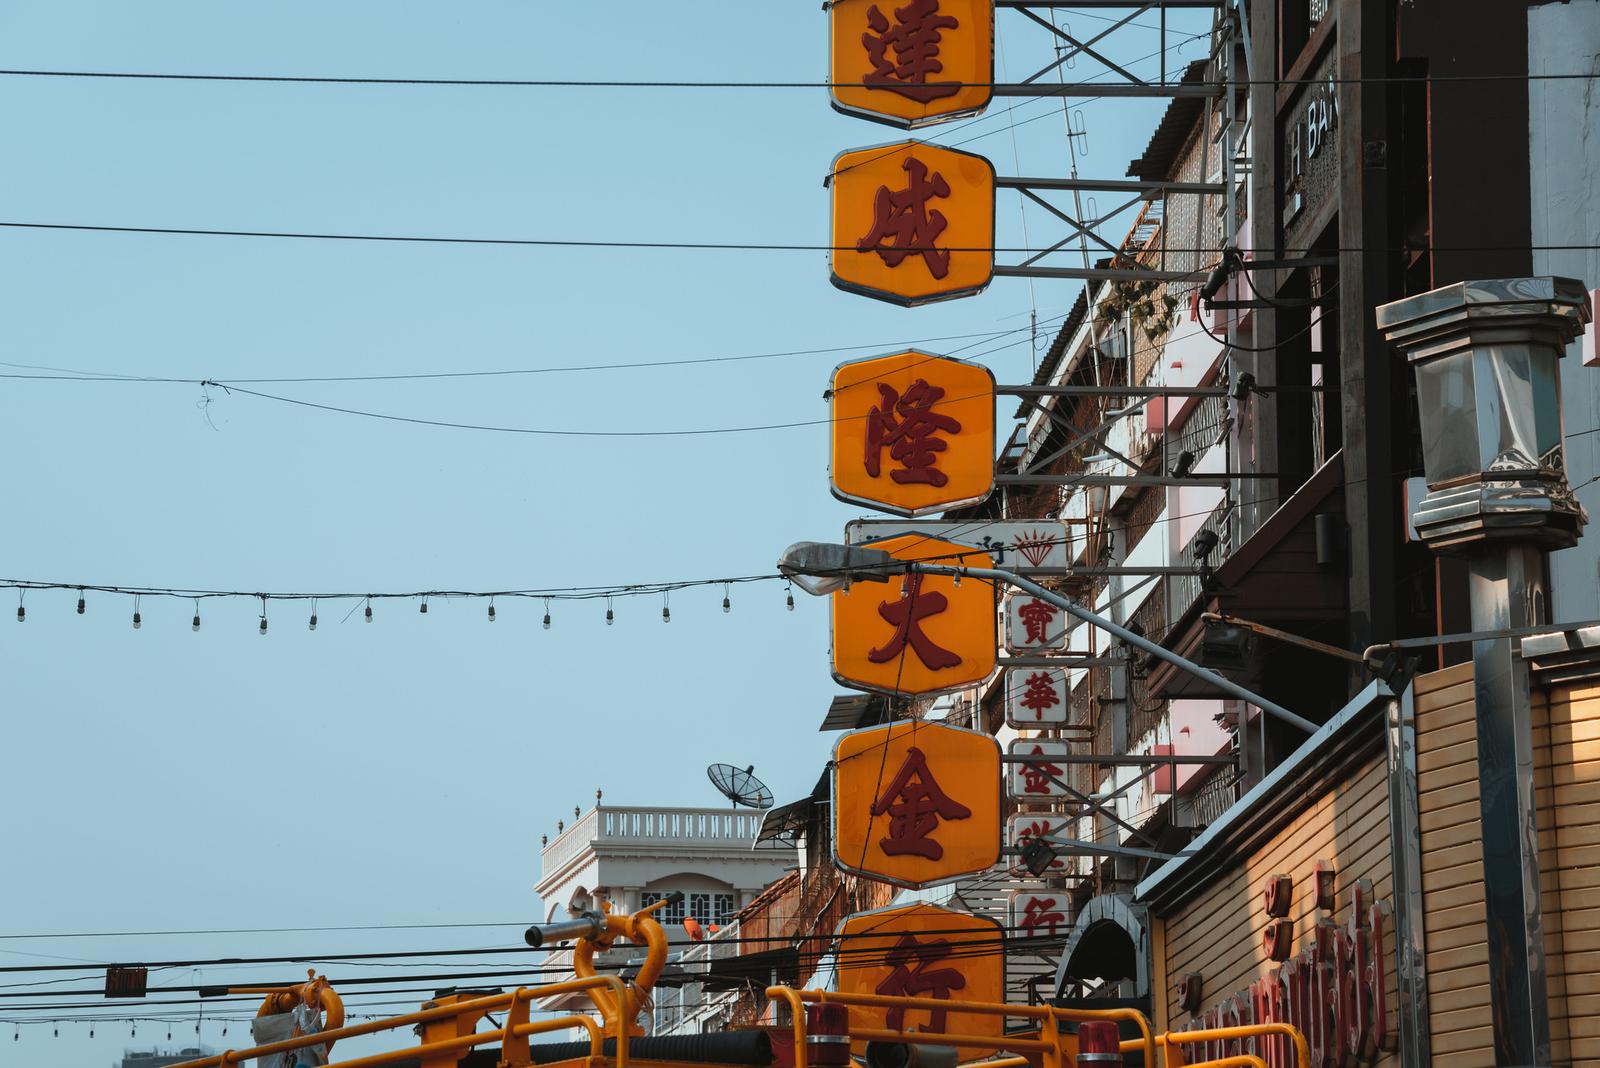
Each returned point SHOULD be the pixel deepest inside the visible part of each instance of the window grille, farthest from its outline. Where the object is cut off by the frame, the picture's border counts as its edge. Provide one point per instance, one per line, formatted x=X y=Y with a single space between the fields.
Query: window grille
x=672 y=914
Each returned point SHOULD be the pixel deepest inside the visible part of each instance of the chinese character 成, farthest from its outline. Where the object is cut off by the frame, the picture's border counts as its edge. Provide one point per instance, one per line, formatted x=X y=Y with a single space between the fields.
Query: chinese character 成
x=905 y=218
x=914 y=38
x=907 y=615
x=915 y=804
x=907 y=425
x=912 y=977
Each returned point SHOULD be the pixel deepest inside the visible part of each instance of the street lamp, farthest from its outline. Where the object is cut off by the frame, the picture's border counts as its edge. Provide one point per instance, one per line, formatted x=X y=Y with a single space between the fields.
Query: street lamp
x=1486 y=355
x=821 y=568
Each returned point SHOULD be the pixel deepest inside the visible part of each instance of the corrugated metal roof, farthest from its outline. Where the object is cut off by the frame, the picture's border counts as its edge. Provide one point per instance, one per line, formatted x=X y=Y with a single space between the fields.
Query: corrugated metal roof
x=1172 y=132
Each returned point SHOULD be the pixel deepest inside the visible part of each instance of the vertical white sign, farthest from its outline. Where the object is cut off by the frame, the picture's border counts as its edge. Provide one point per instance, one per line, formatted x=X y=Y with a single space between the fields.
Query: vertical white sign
x=1043 y=776
x=1036 y=697
x=1038 y=914
x=1032 y=624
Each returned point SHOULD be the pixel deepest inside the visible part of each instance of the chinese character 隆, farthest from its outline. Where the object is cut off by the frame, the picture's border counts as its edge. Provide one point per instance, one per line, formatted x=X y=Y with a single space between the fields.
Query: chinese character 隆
x=906 y=424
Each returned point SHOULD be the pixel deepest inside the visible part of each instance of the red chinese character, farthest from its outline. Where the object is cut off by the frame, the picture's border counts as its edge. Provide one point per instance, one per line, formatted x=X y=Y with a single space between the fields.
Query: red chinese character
x=904 y=218
x=914 y=38
x=907 y=615
x=913 y=978
x=1037 y=777
x=1040 y=912
x=1036 y=619
x=915 y=804
x=1039 y=693
x=906 y=423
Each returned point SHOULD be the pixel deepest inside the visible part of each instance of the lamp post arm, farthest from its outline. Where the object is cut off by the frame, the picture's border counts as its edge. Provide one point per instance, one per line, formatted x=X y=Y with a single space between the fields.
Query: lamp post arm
x=1136 y=640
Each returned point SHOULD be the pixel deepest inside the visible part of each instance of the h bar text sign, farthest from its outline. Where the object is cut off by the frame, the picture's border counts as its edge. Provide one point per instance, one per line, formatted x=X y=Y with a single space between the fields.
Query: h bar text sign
x=916 y=803
x=916 y=634
x=1020 y=546
x=912 y=223
x=912 y=433
x=922 y=951
x=911 y=64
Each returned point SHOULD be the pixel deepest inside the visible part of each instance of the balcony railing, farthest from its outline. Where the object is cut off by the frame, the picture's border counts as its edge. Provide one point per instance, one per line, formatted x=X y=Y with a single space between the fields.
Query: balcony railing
x=718 y=828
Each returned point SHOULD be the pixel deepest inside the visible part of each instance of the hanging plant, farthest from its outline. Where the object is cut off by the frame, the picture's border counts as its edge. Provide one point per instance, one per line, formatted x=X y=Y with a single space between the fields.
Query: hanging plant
x=1146 y=308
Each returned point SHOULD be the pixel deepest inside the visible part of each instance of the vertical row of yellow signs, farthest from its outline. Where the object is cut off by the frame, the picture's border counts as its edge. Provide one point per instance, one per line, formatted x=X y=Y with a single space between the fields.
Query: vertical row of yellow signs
x=913 y=434
x=912 y=222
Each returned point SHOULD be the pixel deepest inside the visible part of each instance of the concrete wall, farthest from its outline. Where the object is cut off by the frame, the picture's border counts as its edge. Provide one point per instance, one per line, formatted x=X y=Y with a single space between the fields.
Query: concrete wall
x=1564 y=151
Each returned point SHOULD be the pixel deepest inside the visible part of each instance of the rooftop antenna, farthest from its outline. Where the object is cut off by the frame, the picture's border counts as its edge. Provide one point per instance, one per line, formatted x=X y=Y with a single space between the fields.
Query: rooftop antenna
x=740 y=786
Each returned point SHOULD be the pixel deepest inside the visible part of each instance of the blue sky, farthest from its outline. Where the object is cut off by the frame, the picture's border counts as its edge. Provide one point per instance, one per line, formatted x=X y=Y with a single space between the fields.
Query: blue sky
x=163 y=779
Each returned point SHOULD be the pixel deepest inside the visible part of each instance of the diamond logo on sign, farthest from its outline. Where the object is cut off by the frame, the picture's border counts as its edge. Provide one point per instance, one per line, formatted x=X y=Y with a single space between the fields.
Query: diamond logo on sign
x=1032 y=624
x=1043 y=776
x=911 y=63
x=1020 y=828
x=1037 y=914
x=1036 y=697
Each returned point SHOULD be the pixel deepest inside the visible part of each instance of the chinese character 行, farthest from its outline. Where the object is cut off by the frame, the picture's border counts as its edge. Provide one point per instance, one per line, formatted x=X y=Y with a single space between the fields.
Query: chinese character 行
x=914 y=38
x=906 y=615
x=915 y=804
x=904 y=218
x=912 y=977
x=907 y=424
x=1040 y=912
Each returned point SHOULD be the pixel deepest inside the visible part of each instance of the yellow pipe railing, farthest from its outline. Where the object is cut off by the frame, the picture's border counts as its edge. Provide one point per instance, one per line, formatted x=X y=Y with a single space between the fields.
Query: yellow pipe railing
x=592 y=986
x=1225 y=1034
x=1048 y=1015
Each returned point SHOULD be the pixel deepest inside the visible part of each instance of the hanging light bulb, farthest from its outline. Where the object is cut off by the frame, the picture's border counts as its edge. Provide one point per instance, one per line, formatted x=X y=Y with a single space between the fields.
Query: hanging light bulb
x=547 y=613
x=312 y=623
x=263 y=628
x=195 y=623
x=666 y=612
x=55 y=1030
x=424 y=606
x=491 y=610
x=789 y=597
x=727 y=603
x=369 y=609
x=610 y=616
x=136 y=620
x=80 y=602
x=22 y=613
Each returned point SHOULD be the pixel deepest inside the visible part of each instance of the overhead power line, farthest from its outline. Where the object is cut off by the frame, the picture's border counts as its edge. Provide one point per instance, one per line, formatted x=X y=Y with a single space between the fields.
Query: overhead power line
x=811 y=85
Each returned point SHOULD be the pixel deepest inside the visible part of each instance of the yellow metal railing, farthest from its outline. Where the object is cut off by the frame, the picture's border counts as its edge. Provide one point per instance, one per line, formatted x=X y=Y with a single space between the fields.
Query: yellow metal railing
x=1171 y=1039
x=512 y=1036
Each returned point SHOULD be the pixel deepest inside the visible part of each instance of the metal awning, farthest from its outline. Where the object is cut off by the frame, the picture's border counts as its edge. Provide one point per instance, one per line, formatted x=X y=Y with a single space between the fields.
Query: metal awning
x=847 y=712
x=769 y=966
x=786 y=823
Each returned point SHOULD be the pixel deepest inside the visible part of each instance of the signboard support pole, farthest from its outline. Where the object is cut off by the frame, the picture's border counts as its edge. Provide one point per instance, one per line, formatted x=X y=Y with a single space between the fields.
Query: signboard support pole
x=1139 y=641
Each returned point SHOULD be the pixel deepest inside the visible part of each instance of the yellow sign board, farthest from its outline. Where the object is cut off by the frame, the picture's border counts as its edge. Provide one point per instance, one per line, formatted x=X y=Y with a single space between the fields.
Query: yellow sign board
x=912 y=223
x=922 y=951
x=916 y=803
x=912 y=433
x=916 y=634
x=911 y=64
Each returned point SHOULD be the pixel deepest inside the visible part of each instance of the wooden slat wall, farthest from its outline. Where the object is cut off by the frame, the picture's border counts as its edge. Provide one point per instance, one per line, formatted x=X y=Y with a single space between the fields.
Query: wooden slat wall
x=1566 y=736
x=1218 y=934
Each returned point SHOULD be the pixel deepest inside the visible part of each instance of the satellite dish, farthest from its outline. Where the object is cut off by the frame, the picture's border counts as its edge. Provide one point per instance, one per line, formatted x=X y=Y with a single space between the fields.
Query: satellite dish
x=740 y=786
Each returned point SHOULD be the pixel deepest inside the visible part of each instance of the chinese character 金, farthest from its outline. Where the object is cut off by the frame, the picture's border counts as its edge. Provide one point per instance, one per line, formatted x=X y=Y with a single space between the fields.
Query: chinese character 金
x=1037 y=777
x=1036 y=619
x=907 y=615
x=907 y=425
x=912 y=977
x=904 y=218
x=1039 y=693
x=915 y=804
x=1040 y=913
x=914 y=38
